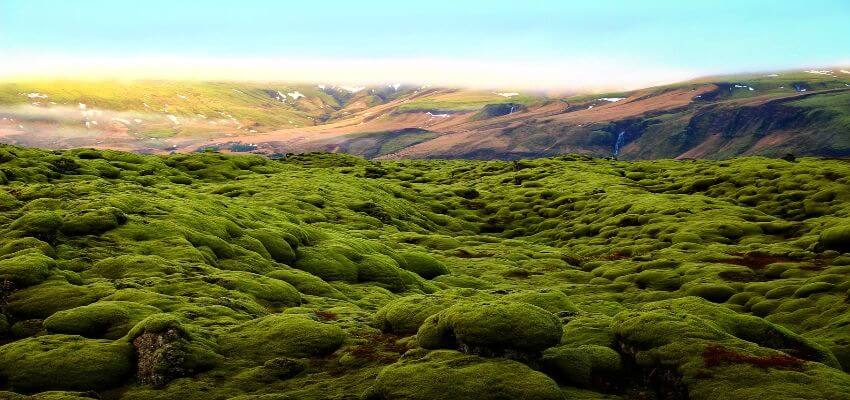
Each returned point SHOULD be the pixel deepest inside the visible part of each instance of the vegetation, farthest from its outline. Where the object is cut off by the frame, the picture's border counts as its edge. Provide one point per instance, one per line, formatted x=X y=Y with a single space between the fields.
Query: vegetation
x=327 y=276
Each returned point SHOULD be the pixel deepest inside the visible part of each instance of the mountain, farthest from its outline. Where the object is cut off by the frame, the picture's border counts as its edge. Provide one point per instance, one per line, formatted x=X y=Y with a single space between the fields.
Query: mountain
x=799 y=112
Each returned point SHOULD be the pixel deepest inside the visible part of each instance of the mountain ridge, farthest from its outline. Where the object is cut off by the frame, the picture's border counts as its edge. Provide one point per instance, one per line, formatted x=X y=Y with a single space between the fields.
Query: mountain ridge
x=800 y=112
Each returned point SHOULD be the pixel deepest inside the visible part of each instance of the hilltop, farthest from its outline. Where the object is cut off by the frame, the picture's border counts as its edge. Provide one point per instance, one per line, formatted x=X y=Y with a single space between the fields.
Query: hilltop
x=770 y=114
x=329 y=276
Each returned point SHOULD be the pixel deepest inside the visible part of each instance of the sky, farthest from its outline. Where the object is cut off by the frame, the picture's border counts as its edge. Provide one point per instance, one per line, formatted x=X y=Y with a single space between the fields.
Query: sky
x=522 y=44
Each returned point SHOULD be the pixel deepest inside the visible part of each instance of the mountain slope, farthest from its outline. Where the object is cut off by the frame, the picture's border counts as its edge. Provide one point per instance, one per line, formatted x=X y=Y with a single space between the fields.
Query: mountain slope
x=801 y=112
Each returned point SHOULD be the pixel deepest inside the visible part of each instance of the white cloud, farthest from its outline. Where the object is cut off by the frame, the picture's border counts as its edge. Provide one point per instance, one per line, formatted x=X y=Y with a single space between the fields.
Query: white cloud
x=575 y=74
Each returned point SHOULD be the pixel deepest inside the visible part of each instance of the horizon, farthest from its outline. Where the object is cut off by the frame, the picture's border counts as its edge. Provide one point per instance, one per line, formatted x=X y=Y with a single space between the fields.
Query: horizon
x=538 y=47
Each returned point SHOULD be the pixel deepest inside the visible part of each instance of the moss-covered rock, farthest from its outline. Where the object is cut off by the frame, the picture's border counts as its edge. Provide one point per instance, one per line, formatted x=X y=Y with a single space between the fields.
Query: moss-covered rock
x=39 y=224
x=103 y=319
x=491 y=328
x=43 y=300
x=584 y=366
x=306 y=283
x=26 y=269
x=93 y=222
x=554 y=301
x=65 y=362
x=281 y=335
x=406 y=315
x=274 y=242
x=274 y=291
x=423 y=265
x=836 y=238
x=445 y=375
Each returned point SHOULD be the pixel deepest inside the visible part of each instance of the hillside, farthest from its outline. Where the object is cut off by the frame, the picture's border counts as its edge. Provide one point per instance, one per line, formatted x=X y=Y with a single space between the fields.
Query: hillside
x=799 y=112
x=327 y=276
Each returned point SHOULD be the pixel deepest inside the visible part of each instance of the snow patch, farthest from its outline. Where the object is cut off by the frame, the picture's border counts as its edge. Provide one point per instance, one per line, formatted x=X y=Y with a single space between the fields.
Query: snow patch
x=844 y=71
x=395 y=86
x=819 y=72
x=36 y=95
x=173 y=119
x=772 y=75
x=438 y=115
x=612 y=99
x=182 y=96
x=121 y=120
x=352 y=89
x=506 y=95
x=82 y=106
x=138 y=121
x=295 y=95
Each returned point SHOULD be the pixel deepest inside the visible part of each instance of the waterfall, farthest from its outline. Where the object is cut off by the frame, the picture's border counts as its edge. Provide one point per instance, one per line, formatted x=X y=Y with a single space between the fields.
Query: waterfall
x=619 y=143
x=512 y=110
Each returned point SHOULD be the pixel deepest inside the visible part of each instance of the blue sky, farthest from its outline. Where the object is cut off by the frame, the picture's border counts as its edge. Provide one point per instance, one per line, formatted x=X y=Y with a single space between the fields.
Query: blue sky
x=668 y=37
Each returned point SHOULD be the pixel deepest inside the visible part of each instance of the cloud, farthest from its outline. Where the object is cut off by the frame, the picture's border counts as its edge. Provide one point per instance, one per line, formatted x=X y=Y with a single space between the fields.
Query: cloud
x=593 y=74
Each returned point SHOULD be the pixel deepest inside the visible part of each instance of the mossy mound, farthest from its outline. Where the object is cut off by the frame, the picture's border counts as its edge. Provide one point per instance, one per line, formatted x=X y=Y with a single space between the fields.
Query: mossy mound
x=26 y=269
x=103 y=319
x=39 y=224
x=275 y=292
x=92 y=222
x=423 y=265
x=712 y=349
x=281 y=335
x=584 y=366
x=42 y=300
x=50 y=395
x=445 y=374
x=307 y=283
x=491 y=328
x=65 y=362
x=406 y=315
x=837 y=238
x=554 y=301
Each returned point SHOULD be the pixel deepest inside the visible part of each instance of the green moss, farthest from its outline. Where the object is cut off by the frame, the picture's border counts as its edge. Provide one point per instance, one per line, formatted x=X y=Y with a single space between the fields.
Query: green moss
x=495 y=327
x=307 y=283
x=65 y=362
x=274 y=242
x=42 y=300
x=589 y=329
x=327 y=264
x=274 y=291
x=444 y=375
x=26 y=269
x=406 y=315
x=103 y=319
x=281 y=335
x=92 y=222
x=554 y=301
x=423 y=265
x=583 y=365
x=717 y=293
x=836 y=238
x=39 y=224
